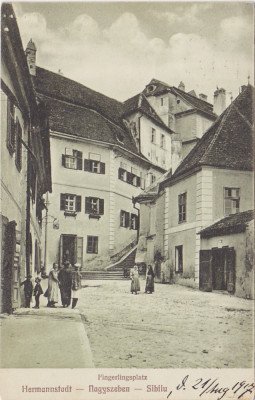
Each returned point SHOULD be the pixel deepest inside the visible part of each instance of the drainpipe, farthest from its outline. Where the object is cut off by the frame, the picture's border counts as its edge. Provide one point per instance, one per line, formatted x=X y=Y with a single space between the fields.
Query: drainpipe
x=28 y=244
x=138 y=228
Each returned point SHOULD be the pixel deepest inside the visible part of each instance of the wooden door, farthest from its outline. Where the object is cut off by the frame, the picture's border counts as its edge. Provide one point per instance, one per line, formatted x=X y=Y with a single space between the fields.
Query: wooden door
x=10 y=284
x=231 y=269
x=205 y=270
x=69 y=248
x=16 y=277
x=79 y=250
x=219 y=269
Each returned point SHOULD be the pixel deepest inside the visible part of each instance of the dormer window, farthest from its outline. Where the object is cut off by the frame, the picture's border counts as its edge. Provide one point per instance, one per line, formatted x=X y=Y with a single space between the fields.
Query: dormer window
x=151 y=88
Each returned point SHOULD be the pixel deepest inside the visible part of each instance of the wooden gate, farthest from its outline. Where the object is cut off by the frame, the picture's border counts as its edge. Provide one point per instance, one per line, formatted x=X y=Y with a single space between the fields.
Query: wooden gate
x=217 y=269
x=205 y=270
x=10 y=277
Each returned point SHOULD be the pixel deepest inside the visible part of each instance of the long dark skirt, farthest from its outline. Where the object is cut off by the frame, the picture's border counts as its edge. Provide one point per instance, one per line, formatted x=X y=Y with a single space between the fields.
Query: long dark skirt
x=65 y=296
x=149 y=284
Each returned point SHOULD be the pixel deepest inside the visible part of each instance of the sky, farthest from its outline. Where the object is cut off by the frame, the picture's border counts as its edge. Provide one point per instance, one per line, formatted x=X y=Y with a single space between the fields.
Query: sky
x=116 y=48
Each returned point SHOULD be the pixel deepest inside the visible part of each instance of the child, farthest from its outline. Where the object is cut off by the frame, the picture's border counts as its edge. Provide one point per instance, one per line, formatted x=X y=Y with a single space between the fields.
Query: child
x=28 y=290
x=37 y=292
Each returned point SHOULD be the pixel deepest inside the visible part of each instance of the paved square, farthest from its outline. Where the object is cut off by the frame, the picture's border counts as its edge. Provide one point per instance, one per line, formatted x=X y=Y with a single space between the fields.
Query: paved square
x=175 y=327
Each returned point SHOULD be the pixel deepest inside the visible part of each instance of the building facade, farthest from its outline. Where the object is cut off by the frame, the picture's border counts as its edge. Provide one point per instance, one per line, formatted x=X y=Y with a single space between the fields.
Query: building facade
x=98 y=167
x=214 y=180
x=25 y=167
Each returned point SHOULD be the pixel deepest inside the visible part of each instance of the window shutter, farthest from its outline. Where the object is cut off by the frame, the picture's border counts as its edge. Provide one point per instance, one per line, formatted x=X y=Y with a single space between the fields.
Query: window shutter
x=78 y=203
x=101 y=206
x=102 y=168
x=87 y=205
x=138 y=181
x=136 y=222
x=63 y=160
x=127 y=219
x=79 y=160
x=62 y=201
x=87 y=165
x=121 y=212
x=119 y=175
x=129 y=177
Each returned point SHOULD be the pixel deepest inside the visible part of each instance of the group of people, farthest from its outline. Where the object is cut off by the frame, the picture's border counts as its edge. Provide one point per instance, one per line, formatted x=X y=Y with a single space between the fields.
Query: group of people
x=66 y=279
x=30 y=290
x=69 y=283
x=135 y=282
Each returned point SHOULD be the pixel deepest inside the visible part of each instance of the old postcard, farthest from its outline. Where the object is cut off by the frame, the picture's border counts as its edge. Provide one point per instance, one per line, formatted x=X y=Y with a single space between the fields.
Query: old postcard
x=127 y=222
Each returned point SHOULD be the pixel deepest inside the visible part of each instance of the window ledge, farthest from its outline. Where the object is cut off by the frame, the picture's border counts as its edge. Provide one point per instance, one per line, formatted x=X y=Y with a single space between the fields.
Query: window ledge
x=70 y=213
x=94 y=216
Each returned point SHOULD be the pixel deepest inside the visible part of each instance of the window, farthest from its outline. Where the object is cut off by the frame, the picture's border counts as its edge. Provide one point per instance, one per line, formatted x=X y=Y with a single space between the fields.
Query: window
x=72 y=159
x=182 y=202
x=153 y=178
x=231 y=201
x=94 y=166
x=129 y=177
x=153 y=135
x=135 y=180
x=10 y=126
x=162 y=101
x=124 y=219
x=162 y=141
x=94 y=206
x=70 y=203
x=178 y=259
x=92 y=244
x=134 y=221
x=122 y=175
x=18 y=151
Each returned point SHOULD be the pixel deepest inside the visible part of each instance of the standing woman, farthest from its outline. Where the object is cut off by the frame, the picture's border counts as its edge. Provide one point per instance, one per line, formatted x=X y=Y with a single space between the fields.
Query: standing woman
x=76 y=284
x=149 y=287
x=53 y=284
x=135 y=283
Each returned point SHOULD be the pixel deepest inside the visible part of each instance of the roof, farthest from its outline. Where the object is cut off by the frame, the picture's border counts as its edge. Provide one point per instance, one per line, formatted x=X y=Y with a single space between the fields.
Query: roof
x=151 y=192
x=140 y=103
x=59 y=87
x=234 y=223
x=228 y=143
x=77 y=110
x=196 y=102
x=190 y=97
x=79 y=121
x=31 y=45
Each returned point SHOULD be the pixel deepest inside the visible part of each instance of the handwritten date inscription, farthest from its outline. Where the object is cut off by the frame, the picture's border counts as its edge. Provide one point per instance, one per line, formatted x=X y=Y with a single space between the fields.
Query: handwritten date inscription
x=213 y=387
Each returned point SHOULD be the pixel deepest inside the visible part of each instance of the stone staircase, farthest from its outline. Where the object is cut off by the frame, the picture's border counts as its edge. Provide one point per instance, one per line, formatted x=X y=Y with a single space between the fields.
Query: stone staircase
x=103 y=275
x=114 y=271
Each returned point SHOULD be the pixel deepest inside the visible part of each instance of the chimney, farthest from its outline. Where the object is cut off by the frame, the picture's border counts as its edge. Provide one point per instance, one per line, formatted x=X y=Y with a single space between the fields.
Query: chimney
x=181 y=86
x=203 y=96
x=31 y=57
x=219 y=101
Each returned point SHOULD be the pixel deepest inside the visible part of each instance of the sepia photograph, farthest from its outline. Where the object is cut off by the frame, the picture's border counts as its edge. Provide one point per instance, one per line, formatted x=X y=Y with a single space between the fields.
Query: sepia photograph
x=127 y=200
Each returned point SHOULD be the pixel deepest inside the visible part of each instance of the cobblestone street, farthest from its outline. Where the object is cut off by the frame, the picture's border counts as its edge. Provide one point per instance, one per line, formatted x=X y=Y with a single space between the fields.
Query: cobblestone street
x=176 y=327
